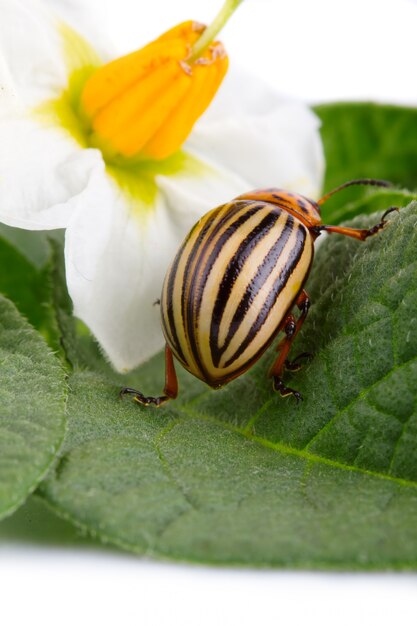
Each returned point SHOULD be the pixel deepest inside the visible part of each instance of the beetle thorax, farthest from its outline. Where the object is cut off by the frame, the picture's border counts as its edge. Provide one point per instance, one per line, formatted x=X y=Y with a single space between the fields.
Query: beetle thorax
x=307 y=211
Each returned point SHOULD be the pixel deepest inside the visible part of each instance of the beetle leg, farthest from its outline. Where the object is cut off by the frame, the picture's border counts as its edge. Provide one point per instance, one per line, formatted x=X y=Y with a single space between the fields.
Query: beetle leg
x=295 y=365
x=288 y=327
x=170 y=389
x=356 y=233
x=286 y=391
x=291 y=327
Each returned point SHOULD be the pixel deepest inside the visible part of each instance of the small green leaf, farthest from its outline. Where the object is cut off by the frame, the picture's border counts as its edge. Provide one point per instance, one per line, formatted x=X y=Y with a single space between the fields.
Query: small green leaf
x=243 y=476
x=32 y=244
x=364 y=140
x=27 y=284
x=32 y=405
x=35 y=523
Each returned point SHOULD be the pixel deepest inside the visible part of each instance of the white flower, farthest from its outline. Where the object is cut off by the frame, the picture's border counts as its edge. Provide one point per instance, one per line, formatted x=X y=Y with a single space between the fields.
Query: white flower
x=124 y=222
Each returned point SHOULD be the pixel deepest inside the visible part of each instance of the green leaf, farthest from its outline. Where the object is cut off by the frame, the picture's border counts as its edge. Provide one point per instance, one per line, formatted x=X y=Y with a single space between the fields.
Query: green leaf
x=34 y=522
x=27 y=285
x=32 y=244
x=363 y=140
x=243 y=476
x=32 y=405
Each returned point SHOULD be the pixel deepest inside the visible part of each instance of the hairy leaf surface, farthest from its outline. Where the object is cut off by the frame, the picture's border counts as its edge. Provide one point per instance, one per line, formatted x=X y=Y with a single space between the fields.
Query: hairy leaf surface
x=32 y=405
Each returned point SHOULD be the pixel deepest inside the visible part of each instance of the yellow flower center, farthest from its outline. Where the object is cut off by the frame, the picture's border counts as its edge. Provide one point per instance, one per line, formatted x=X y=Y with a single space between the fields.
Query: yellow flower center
x=146 y=103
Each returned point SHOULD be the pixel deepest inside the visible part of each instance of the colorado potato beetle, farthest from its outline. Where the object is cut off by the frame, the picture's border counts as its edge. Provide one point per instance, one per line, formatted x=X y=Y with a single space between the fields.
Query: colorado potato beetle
x=233 y=284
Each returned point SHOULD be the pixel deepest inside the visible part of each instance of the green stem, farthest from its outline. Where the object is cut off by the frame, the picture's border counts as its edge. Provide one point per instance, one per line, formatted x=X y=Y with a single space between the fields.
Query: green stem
x=215 y=27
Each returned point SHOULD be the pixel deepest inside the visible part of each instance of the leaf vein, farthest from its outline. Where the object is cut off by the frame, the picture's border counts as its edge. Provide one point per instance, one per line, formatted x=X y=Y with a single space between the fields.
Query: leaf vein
x=302 y=453
x=360 y=396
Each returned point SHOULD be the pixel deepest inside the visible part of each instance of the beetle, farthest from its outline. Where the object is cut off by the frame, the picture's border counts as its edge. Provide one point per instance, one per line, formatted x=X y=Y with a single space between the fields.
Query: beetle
x=234 y=282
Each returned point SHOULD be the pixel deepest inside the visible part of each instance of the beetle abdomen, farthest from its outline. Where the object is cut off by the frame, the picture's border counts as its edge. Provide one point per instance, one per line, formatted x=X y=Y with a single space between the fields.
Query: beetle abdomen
x=230 y=285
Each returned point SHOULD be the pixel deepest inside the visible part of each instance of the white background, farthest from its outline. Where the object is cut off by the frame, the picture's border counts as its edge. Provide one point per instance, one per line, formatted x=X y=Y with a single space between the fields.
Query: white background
x=317 y=51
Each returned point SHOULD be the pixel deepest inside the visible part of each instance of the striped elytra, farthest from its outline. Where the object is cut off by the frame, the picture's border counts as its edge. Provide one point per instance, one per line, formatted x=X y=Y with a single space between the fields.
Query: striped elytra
x=234 y=283
x=230 y=285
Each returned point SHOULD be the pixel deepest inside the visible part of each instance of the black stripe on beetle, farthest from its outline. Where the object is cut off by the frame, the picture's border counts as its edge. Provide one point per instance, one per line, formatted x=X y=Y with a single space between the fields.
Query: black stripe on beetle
x=198 y=280
x=264 y=270
x=293 y=257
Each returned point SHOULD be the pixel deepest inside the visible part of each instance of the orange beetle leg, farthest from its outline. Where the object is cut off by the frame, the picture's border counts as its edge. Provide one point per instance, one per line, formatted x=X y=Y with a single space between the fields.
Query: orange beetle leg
x=290 y=327
x=356 y=233
x=170 y=389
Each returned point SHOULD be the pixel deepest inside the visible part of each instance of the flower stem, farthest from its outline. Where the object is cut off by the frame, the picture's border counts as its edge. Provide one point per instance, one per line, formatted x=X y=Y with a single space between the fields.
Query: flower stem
x=211 y=31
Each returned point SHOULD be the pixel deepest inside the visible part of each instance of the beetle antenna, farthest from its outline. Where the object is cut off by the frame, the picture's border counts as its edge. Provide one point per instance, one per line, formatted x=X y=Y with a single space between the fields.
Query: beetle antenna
x=360 y=181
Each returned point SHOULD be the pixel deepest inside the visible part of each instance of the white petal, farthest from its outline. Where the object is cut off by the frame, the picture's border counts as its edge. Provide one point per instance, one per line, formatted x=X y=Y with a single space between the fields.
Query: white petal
x=43 y=174
x=9 y=101
x=38 y=50
x=268 y=141
x=32 y=47
x=115 y=264
x=87 y=17
x=117 y=254
x=201 y=186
